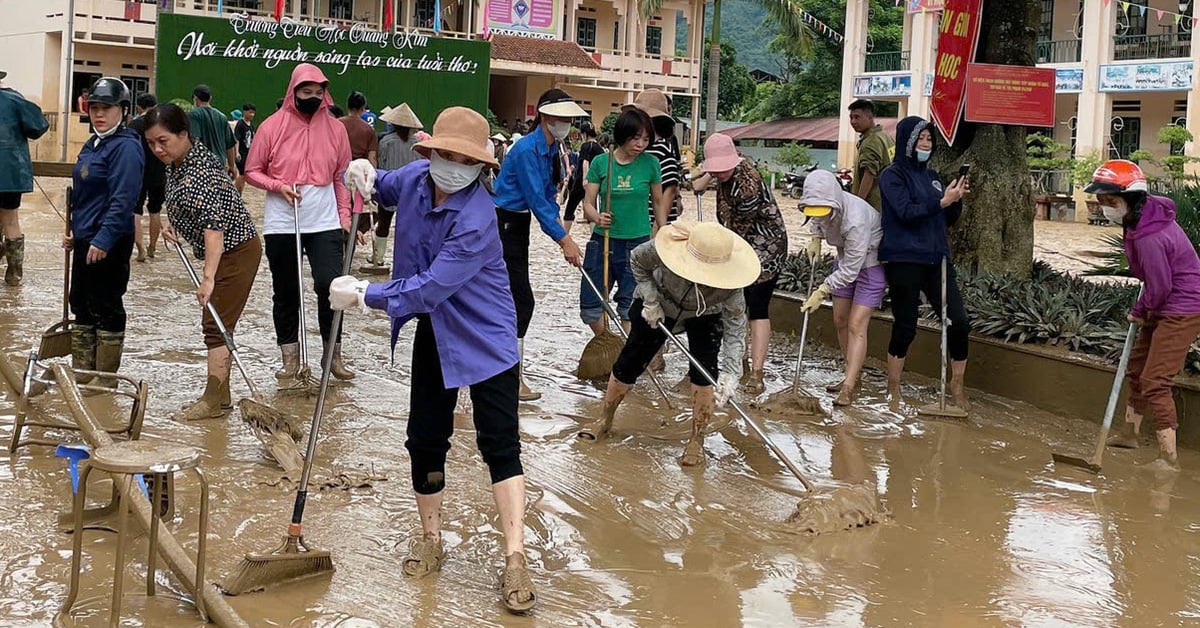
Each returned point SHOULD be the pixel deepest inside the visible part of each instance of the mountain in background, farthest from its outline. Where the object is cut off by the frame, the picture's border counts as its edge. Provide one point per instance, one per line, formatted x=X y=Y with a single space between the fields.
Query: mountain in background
x=743 y=24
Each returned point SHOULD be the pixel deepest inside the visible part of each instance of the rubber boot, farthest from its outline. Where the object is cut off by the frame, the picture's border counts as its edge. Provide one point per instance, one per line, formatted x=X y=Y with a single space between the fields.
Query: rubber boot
x=379 y=251
x=109 y=346
x=754 y=384
x=702 y=409
x=1168 y=457
x=83 y=351
x=895 y=368
x=525 y=394
x=208 y=406
x=337 y=367
x=291 y=361
x=14 y=250
x=958 y=393
x=226 y=397
x=613 y=396
x=1127 y=435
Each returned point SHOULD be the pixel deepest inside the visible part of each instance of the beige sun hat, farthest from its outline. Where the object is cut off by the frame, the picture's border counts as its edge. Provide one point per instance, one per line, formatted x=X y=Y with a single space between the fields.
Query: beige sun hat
x=652 y=101
x=401 y=115
x=463 y=131
x=708 y=254
x=499 y=137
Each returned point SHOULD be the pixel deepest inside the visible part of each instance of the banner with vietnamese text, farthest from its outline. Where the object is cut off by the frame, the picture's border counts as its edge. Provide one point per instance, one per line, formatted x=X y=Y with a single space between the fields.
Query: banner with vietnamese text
x=958 y=36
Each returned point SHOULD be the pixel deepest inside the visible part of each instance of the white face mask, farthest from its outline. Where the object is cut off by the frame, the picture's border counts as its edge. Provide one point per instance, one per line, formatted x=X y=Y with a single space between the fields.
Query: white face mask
x=450 y=176
x=1115 y=213
x=560 y=130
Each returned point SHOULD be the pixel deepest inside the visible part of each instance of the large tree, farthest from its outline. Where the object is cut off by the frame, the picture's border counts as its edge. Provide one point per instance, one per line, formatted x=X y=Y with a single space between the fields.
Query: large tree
x=736 y=87
x=996 y=230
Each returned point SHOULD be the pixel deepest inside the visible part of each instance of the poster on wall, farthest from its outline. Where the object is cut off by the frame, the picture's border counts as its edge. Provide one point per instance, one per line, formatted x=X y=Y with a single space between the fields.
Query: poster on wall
x=1146 y=77
x=1068 y=80
x=524 y=18
x=1006 y=94
x=898 y=85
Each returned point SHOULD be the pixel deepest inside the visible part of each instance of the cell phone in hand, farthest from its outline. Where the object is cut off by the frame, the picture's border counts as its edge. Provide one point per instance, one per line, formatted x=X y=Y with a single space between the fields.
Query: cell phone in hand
x=964 y=170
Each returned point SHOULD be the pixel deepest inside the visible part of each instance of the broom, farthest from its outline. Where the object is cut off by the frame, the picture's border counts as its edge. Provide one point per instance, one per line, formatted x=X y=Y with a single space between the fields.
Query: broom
x=794 y=401
x=293 y=558
x=602 y=350
x=255 y=410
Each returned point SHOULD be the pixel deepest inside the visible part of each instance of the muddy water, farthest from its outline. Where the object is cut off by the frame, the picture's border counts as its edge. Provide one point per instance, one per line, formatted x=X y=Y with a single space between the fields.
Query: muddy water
x=984 y=530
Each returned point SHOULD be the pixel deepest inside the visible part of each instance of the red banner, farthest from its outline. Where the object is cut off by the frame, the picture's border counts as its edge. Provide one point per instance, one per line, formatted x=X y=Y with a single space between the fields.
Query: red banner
x=1009 y=94
x=958 y=36
x=133 y=10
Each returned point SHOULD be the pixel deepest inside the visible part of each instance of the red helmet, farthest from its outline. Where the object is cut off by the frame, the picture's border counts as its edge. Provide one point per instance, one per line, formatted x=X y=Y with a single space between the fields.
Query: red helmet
x=1116 y=176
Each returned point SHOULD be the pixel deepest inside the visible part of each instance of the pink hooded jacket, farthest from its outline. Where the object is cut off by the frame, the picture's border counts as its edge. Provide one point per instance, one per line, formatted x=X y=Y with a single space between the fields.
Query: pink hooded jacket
x=290 y=147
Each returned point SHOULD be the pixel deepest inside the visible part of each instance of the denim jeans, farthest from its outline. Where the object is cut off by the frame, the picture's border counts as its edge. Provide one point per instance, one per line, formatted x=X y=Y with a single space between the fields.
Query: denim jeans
x=619 y=273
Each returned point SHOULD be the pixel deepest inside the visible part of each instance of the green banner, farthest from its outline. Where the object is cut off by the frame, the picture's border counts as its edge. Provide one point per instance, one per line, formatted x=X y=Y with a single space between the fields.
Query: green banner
x=251 y=60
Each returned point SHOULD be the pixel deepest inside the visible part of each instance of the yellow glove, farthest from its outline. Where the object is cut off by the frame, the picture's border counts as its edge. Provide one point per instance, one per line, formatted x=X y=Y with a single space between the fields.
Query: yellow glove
x=814 y=300
x=814 y=247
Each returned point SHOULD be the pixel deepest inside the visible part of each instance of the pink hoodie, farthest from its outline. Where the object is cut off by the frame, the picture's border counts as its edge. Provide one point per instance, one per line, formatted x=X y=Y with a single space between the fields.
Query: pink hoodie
x=290 y=147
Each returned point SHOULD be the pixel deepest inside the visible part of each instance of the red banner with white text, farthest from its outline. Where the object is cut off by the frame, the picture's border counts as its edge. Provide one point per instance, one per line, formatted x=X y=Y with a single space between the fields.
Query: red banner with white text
x=958 y=36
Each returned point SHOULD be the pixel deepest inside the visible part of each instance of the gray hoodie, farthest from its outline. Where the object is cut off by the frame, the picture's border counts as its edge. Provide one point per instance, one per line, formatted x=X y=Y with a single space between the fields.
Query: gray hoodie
x=853 y=226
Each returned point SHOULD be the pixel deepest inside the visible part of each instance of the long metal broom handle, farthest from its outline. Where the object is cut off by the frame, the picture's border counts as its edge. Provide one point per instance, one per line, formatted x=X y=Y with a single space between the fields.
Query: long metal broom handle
x=945 y=324
x=303 y=336
x=212 y=311
x=755 y=427
x=621 y=330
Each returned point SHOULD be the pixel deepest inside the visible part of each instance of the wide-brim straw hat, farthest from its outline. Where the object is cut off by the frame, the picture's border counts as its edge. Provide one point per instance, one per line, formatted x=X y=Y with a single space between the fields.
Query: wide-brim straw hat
x=401 y=115
x=720 y=155
x=463 y=131
x=708 y=254
x=499 y=137
x=652 y=101
x=563 y=108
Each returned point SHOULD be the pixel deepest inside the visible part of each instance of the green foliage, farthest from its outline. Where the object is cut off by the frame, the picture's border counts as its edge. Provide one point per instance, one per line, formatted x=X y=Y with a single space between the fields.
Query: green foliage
x=794 y=155
x=609 y=123
x=1045 y=153
x=735 y=87
x=1083 y=166
x=186 y=105
x=1187 y=214
x=1174 y=164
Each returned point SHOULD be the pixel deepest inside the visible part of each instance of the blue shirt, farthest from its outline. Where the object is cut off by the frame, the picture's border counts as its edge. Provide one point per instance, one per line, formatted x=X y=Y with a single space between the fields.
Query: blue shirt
x=107 y=180
x=526 y=182
x=449 y=264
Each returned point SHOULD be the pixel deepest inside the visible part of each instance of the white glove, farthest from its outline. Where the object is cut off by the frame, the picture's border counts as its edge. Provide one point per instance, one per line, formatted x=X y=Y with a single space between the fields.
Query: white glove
x=346 y=292
x=360 y=177
x=726 y=386
x=814 y=247
x=652 y=313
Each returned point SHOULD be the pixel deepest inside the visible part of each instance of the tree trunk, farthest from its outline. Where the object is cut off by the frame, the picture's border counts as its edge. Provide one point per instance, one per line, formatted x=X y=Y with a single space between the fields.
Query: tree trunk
x=714 y=71
x=995 y=233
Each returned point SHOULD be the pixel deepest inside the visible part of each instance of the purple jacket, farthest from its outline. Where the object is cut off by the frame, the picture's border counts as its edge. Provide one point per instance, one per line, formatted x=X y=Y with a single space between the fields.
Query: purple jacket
x=1161 y=255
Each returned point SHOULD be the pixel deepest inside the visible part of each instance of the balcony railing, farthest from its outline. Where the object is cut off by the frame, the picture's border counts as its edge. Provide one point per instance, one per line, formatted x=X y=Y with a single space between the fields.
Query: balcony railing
x=1062 y=51
x=1168 y=46
x=895 y=61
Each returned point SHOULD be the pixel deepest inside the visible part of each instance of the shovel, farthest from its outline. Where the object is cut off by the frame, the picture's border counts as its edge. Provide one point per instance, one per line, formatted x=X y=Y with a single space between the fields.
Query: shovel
x=56 y=340
x=1093 y=464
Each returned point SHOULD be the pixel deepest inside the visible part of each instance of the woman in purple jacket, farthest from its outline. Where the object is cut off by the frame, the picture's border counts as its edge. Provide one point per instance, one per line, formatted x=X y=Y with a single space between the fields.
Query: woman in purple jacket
x=1168 y=311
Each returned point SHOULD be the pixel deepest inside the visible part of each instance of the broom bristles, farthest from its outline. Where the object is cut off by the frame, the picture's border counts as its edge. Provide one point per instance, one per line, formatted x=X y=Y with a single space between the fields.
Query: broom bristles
x=599 y=355
x=293 y=560
x=266 y=418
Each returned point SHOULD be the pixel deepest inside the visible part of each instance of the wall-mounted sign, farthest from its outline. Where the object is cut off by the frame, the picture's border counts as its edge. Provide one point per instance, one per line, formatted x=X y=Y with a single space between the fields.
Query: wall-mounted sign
x=1068 y=80
x=923 y=6
x=1146 y=77
x=524 y=18
x=893 y=85
x=1006 y=94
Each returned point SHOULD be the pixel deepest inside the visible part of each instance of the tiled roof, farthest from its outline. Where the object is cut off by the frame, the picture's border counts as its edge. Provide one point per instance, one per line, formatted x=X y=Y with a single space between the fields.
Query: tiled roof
x=541 y=51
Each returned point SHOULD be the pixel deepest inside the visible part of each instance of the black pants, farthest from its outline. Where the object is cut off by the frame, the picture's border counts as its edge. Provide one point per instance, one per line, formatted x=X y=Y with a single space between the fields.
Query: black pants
x=704 y=342
x=514 y=235
x=906 y=282
x=431 y=418
x=574 y=198
x=383 y=222
x=151 y=199
x=98 y=290
x=324 y=250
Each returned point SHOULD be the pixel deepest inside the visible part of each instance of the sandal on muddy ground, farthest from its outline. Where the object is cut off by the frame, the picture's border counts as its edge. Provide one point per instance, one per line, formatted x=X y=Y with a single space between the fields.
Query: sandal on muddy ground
x=516 y=588
x=424 y=557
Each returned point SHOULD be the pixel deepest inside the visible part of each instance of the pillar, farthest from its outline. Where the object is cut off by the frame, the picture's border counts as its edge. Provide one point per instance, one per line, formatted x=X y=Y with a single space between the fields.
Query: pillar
x=1192 y=148
x=854 y=61
x=922 y=58
x=1093 y=119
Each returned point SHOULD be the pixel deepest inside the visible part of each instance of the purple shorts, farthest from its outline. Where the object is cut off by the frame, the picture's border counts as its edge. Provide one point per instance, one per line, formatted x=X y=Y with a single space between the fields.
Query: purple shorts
x=867 y=289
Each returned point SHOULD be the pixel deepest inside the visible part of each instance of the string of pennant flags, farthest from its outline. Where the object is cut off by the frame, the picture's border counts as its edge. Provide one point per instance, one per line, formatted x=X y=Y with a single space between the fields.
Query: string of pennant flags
x=1141 y=8
x=822 y=27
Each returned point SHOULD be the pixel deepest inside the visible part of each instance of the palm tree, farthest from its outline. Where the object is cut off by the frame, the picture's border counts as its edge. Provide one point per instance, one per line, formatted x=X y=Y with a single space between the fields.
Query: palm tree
x=788 y=14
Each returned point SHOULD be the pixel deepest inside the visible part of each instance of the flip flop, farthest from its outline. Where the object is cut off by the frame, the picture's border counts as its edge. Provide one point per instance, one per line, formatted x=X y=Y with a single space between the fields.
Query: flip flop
x=424 y=557
x=515 y=581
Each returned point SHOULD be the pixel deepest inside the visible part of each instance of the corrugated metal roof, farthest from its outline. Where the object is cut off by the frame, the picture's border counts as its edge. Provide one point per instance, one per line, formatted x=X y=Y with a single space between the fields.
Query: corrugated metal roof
x=809 y=130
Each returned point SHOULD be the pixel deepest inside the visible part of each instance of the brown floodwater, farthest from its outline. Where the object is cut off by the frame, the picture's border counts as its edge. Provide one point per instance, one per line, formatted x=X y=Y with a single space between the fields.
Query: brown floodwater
x=984 y=530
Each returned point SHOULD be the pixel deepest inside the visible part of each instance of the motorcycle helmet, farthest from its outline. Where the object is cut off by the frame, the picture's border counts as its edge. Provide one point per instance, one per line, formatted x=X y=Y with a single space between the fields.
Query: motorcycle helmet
x=110 y=90
x=1117 y=176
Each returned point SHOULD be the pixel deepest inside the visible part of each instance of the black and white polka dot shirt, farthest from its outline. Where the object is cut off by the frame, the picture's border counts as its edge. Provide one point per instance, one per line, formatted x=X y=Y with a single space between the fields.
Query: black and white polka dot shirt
x=200 y=196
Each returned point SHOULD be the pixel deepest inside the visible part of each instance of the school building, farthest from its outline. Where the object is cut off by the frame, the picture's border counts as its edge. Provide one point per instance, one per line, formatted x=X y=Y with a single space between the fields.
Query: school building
x=602 y=52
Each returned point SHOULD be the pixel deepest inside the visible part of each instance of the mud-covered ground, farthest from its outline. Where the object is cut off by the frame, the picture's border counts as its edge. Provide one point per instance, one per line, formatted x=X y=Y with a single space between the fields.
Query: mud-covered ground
x=985 y=531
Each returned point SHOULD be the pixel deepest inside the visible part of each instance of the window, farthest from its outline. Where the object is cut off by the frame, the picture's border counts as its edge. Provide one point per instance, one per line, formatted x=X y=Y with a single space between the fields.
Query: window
x=340 y=9
x=1135 y=17
x=654 y=40
x=1127 y=139
x=616 y=34
x=1046 y=24
x=424 y=13
x=585 y=32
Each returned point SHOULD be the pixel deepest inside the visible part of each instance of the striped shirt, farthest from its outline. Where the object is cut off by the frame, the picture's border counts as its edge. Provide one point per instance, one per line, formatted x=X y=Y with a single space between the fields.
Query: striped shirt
x=667 y=154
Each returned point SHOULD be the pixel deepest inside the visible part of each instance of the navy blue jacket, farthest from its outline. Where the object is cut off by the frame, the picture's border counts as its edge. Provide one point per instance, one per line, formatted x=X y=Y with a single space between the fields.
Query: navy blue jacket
x=914 y=223
x=107 y=180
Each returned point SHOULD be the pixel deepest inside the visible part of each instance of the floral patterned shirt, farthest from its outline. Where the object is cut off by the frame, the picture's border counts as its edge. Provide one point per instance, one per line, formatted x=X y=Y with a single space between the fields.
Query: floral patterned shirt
x=200 y=196
x=746 y=206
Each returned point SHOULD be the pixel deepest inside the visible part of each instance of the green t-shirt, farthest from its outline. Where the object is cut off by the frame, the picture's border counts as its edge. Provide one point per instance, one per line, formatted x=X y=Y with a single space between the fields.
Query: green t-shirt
x=212 y=129
x=875 y=151
x=630 y=195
